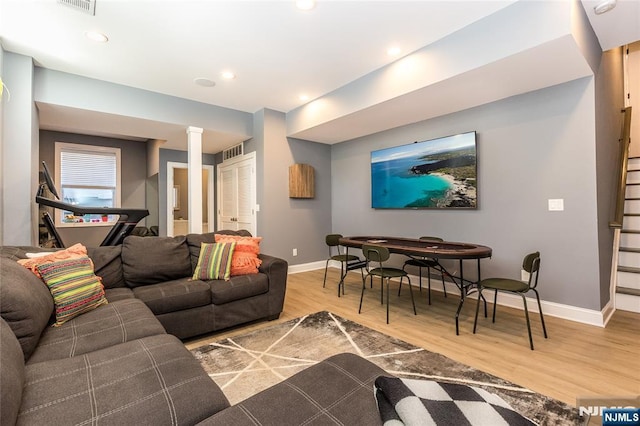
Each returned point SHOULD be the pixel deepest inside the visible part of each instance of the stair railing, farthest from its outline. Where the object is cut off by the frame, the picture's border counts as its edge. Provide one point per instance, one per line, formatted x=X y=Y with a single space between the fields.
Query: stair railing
x=622 y=170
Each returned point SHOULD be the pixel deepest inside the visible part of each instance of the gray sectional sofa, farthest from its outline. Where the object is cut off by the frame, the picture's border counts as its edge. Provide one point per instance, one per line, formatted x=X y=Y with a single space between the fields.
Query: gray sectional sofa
x=117 y=364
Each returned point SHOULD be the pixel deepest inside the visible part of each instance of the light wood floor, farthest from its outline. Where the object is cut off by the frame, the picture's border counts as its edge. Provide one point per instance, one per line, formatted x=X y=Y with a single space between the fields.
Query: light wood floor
x=577 y=360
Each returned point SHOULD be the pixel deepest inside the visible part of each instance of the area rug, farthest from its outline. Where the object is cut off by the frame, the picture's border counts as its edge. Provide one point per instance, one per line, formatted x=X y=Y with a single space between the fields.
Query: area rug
x=245 y=365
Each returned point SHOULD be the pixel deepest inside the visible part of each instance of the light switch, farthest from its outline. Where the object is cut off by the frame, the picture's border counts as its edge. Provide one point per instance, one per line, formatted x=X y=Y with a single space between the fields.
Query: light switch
x=556 y=205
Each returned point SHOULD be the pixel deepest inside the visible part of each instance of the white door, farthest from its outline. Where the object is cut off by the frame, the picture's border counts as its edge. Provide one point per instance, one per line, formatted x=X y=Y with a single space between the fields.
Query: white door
x=237 y=194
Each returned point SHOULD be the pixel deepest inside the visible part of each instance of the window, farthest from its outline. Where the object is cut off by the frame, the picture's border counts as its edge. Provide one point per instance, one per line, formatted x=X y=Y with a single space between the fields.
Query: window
x=87 y=176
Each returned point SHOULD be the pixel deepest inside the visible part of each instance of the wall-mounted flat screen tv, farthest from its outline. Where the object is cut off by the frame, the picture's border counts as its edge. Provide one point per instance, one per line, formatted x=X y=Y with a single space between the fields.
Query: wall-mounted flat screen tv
x=436 y=173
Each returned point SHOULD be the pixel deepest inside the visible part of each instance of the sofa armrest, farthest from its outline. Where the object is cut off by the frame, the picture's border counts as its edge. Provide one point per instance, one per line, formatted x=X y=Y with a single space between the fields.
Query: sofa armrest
x=276 y=270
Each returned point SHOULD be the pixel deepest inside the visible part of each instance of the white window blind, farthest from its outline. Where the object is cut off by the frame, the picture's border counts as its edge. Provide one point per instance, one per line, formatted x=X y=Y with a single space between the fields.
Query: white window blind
x=88 y=169
x=89 y=176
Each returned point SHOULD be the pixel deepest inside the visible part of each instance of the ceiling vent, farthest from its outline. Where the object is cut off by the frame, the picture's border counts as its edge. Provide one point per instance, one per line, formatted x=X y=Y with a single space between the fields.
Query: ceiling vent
x=85 y=6
x=234 y=151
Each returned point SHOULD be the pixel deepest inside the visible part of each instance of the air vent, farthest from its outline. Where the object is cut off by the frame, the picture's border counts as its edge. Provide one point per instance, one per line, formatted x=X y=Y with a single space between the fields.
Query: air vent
x=232 y=152
x=85 y=6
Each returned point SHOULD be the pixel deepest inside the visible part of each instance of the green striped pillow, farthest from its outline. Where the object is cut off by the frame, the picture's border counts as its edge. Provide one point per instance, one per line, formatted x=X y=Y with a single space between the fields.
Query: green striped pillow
x=74 y=287
x=214 y=262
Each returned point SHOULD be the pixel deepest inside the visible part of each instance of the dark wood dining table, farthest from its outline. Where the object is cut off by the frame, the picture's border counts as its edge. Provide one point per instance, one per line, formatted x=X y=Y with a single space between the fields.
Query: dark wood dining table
x=436 y=250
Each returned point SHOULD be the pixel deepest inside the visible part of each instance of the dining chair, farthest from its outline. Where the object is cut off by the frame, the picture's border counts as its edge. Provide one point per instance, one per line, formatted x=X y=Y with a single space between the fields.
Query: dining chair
x=378 y=255
x=425 y=262
x=348 y=262
x=530 y=264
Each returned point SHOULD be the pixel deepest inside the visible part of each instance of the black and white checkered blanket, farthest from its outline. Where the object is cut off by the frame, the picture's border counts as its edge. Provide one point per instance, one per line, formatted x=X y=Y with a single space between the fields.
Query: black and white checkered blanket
x=425 y=402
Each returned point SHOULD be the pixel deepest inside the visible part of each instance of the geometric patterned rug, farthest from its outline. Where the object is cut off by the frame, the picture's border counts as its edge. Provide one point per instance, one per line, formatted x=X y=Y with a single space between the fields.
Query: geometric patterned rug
x=245 y=365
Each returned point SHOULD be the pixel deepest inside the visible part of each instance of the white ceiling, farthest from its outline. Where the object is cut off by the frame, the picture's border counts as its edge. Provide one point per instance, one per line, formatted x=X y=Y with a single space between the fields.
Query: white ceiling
x=276 y=51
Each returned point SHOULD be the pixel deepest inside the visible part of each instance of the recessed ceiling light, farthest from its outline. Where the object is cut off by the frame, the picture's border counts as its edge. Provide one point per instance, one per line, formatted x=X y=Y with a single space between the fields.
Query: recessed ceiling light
x=393 y=51
x=228 y=75
x=604 y=6
x=303 y=97
x=305 y=4
x=96 y=36
x=204 y=82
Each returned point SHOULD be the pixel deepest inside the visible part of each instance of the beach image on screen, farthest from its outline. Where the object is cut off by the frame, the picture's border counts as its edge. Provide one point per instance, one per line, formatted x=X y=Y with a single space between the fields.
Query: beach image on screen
x=437 y=173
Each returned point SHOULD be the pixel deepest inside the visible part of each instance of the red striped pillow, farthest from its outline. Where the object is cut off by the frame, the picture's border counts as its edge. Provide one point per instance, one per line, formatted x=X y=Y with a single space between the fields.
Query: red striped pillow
x=74 y=287
x=214 y=262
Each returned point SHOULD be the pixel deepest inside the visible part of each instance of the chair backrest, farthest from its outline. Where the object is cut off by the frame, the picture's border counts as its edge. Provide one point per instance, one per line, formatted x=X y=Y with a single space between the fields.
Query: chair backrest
x=374 y=253
x=531 y=264
x=431 y=238
x=333 y=240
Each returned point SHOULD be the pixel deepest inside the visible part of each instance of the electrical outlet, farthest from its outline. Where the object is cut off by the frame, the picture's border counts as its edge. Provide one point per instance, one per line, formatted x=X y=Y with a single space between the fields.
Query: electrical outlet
x=295 y=251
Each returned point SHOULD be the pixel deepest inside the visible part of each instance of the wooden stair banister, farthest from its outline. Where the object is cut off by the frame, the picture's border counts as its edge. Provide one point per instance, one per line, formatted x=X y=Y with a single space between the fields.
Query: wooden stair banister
x=624 y=157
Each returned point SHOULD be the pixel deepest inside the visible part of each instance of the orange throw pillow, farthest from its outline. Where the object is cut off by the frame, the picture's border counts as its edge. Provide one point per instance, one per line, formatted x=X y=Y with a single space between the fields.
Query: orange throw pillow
x=245 y=256
x=74 y=252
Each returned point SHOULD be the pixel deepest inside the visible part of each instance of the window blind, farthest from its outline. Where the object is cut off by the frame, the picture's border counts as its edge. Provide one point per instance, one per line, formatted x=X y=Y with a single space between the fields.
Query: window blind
x=91 y=169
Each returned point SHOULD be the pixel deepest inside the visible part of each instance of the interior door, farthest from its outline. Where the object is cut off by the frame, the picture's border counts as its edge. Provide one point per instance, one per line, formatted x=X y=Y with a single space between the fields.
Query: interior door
x=237 y=195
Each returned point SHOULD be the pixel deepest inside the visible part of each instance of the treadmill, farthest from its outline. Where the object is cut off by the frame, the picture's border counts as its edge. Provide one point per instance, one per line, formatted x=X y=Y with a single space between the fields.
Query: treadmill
x=127 y=218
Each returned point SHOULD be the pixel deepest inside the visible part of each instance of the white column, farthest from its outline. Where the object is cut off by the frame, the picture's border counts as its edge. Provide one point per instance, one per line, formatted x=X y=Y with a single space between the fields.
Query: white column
x=194 y=178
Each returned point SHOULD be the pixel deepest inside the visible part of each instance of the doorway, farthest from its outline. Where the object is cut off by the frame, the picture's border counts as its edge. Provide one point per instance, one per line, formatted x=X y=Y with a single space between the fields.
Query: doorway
x=178 y=196
x=237 y=194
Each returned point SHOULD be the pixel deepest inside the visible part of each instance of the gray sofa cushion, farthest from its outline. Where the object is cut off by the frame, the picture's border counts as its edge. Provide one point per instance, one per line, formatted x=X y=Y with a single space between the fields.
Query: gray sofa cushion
x=194 y=241
x=338 y=390
x=176 y=295
x=118 y=293
x=12 y=377
x=239 y=287
x=151 y=260
x=152 y=381
x=107 y=325
x=25 y=303
x=107 y=265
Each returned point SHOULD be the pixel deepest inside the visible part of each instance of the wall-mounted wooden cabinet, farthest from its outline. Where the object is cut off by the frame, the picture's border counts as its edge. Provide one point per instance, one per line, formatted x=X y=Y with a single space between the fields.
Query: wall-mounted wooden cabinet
x=301 y=181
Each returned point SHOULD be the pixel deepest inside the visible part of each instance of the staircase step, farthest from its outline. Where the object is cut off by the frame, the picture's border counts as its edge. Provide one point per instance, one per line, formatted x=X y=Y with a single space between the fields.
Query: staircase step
x=631 y=269
x=626 y=290
x=630 y=249
x=627 y=302
x=627 y=279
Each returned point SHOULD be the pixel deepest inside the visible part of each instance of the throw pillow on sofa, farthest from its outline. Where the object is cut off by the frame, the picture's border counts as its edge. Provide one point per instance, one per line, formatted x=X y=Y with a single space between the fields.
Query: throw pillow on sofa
x=245 y=256
x=74 y=287
x=73 y=252
x=214 y=262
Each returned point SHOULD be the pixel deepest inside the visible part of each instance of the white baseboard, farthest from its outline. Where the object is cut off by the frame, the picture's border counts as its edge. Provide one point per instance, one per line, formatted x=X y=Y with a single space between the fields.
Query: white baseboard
x=568 y=312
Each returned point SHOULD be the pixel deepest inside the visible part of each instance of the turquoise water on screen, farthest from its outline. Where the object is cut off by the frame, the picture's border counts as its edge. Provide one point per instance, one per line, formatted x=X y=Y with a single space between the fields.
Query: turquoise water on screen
x=393 y=186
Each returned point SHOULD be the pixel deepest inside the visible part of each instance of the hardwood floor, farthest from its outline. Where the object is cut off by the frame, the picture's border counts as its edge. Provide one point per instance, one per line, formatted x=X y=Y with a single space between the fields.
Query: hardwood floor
x=577 y=360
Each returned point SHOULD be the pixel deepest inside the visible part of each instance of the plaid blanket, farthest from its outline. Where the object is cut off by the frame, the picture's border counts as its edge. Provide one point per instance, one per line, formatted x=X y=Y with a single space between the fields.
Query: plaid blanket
x=425 y=402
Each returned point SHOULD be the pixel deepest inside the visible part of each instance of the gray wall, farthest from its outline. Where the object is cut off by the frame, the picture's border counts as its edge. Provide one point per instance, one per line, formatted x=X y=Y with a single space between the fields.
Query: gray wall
x=609 y=103
x=531 y=148
x=133 y=157
x=286 y=223
x=20 y=152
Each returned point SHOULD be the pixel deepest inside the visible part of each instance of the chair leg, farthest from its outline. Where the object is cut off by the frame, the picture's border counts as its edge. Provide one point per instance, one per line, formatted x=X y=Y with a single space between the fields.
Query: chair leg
x=420 y=284
x=526 y=314
x=475 y=321
x=412 y=300
x=444 y=287
x=364 y=285
x=400 y=286
x=544 y=329
x=387 y=299
x=495 y=300
x=326 y=266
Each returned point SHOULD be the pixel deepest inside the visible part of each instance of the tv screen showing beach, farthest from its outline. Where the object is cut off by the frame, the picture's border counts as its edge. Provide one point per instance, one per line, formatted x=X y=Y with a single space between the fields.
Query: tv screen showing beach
x=437 y=173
